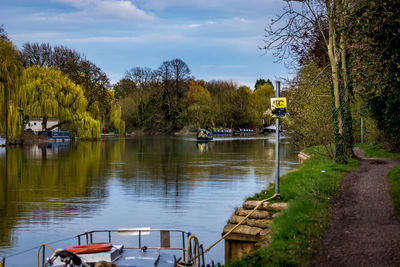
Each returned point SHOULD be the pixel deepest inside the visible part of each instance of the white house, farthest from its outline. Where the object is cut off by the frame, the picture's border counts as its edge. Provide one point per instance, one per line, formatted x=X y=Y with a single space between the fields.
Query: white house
x=35 y=124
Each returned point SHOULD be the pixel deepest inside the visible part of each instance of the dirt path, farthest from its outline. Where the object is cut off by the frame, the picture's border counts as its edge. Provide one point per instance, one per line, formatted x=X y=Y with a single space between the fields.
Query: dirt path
x=363 y=230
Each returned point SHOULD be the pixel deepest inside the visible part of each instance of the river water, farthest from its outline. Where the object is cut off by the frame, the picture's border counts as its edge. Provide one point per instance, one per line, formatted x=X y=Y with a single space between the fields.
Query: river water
x=52 y=192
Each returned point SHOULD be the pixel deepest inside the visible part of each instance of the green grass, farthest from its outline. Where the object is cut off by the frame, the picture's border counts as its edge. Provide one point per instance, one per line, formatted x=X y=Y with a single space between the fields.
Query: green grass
x=296 y=234
x=376 y=151
x=394 y=181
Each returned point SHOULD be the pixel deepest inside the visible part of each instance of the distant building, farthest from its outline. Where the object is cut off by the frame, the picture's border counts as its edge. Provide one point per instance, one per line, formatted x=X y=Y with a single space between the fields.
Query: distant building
x=35 y=124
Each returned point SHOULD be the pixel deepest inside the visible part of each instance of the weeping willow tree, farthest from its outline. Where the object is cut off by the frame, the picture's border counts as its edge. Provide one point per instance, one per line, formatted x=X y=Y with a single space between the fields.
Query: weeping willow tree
x=49 y=93
x=115 y=118
x=10 y=94
x=84 y=126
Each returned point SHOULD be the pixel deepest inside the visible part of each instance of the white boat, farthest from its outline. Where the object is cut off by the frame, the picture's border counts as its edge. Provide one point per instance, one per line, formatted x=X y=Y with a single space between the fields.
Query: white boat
x=127 y=247
x=270 y=129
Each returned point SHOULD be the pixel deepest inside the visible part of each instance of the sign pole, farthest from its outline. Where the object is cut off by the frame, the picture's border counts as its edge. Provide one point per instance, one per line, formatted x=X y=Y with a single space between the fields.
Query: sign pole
x=278 y=85
x=362 y=131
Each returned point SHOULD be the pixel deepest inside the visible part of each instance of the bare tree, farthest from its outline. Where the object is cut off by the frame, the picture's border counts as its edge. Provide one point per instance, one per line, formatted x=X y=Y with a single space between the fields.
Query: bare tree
x=181 y=74
x=37 y=54
x=174 y=76
x=141 y=76
x=289 y=33
x=3 y=34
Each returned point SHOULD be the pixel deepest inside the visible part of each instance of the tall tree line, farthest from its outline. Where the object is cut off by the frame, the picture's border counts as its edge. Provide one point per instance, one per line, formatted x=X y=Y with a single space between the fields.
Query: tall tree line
x=168 y=99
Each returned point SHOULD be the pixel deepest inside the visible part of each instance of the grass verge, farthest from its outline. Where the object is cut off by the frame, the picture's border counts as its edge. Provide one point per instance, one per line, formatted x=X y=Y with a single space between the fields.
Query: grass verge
x=373 y=150
x=296 y=234
x=394 y=181
x=376 y=151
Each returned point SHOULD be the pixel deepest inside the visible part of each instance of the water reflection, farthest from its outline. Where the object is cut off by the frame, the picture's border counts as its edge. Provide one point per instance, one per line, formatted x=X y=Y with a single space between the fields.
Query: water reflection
x=202 y=146
x=146 y=181
x=41 y=183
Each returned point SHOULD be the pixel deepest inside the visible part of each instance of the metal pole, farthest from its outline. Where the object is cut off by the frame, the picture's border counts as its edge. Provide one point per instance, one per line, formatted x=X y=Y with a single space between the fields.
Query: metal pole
x=44 y=256
x=278 y=88
x=362 y=130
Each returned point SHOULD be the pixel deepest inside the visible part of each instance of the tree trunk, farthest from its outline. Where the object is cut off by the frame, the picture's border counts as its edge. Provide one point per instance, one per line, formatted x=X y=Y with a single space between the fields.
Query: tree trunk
x=334 y=62
x=7 y=103
x=348 y=139
x=57 y=125
x=44 y=123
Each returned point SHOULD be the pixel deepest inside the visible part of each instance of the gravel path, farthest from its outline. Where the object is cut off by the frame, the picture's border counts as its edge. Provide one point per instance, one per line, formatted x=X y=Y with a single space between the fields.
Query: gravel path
x=363 y=230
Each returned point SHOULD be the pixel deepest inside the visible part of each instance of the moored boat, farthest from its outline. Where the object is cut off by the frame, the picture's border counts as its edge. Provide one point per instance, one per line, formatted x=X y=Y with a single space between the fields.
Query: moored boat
x=245 y=131
x=270 y=129
x=222 y=132
x=57 y=136
x=127 y=247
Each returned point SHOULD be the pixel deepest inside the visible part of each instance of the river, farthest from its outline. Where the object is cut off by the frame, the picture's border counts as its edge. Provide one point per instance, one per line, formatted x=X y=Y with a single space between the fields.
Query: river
x=54 y=191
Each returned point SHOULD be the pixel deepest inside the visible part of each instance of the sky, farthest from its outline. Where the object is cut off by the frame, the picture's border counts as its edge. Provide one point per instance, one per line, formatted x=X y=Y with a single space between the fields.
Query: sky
x=218 y=39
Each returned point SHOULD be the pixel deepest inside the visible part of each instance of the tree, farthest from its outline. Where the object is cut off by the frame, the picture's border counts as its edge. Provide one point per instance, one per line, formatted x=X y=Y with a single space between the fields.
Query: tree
x=261 y=100
x=129 y=112
x=174 y=76
x=180 y=75
x=260 y=82
x=310 y=120
x=81 y=71
x=3 y=34
x=124 y=88
x=10 y=94
x=241 y=107
x=115 y=118
x=95 y=84
x=375 y=51
x=37 y=54
x=329 y=18
x=49 y=93
x=133 y=92
x=141 y=76
x=198 y=101
x=222 y=93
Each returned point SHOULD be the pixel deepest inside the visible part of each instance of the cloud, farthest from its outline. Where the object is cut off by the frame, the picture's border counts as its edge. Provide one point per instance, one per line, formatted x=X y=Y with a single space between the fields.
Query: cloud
x=235 y=6
x=193 y=25
x=117 y=9
x=147 y=39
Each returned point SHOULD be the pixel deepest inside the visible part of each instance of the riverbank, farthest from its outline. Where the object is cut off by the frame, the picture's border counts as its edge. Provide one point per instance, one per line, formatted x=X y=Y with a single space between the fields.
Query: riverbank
x=310 y=191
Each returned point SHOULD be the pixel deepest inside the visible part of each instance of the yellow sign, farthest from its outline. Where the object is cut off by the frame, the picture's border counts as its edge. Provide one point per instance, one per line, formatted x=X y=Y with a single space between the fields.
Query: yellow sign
x=278 y=106
x=278 y=102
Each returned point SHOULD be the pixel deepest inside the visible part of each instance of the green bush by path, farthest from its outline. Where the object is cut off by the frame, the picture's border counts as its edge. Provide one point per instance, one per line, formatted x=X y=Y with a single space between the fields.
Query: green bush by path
x=394 y=181
x=296 y=234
